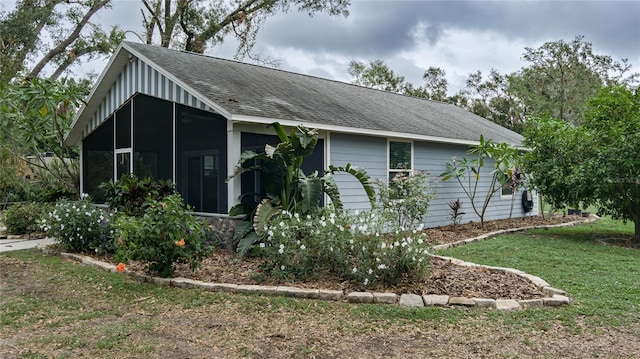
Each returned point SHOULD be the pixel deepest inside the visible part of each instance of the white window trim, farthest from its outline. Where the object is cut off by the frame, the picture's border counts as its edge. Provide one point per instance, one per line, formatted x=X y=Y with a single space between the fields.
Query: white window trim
x=506 y=196
x=393 y=170
x=115 y=160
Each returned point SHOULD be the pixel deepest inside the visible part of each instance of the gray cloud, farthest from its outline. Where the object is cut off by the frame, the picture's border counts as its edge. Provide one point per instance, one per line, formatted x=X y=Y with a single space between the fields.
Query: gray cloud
x=382 y=28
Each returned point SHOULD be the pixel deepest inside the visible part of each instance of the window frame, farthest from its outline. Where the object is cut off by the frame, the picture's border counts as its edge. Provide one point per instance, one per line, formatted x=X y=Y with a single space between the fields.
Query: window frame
x=395 y=171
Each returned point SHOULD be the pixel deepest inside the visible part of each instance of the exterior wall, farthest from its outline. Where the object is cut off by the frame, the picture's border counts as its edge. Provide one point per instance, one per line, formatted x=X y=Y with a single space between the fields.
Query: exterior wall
x=370 y=153
x=432 y=158
x=365 y=152
x=137 y=76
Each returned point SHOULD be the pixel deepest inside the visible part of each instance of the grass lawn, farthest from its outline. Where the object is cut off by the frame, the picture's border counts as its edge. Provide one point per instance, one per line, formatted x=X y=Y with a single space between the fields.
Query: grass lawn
x=50 y=308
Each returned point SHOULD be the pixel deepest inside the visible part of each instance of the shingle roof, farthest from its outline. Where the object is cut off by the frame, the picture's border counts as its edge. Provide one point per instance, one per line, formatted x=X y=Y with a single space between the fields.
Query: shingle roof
x=251 y=90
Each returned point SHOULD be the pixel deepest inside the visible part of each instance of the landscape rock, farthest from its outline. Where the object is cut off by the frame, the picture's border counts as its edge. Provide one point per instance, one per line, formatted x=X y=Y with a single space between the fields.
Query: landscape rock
x=463 y=301
x=485 y=303
x=435 y=299
x=411 y=300
x=556 y=300
x=360 y=297
x=219 y=287
x=327 y=294
x=258 y=289
x=552 y=291
x=298 y=292
x=531 y=303
x=507 y=304
x=384 y=298
x=185 y=283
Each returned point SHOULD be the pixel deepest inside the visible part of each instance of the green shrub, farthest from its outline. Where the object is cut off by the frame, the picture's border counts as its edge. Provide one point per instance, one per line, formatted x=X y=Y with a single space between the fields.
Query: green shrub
x=364 y=248
x=408 y=197
x=81 y=227
x=163 y=236
x=22 y=218
x=129 y=193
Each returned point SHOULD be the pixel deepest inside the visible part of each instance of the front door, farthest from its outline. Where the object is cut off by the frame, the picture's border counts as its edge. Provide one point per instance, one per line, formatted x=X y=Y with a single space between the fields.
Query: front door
x=200 y=174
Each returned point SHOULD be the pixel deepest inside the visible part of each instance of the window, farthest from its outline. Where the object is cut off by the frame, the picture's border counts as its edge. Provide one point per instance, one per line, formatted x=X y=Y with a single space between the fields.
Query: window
x=123 y=162
x=514 y=181
x=400 y=158
x=507 y=189
x=98 y=160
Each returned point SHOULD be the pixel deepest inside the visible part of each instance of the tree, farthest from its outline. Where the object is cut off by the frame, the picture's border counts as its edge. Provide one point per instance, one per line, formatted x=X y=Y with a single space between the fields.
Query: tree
x=376 y=75
x=469 y=172
x=562 y=76
x=594 y=163
x=612 y=127
x=37 y=115
x=380 y=76
x=193 y=24
x=435 y=84
x=67 y=23
x=552 y=161
x=494 y=99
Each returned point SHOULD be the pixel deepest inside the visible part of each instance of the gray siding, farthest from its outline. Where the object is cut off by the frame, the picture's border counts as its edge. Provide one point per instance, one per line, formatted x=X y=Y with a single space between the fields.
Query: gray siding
x=138 y=77
x=370 y=153
x=432 y=158
x=365 y=152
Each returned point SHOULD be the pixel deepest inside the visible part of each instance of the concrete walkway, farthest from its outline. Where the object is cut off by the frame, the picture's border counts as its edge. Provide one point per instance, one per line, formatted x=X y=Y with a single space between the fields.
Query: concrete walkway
x=7 y=245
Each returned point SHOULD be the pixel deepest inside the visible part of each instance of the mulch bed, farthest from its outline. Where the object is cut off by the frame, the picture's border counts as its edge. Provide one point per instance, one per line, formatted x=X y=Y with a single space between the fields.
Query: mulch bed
x=445 y=278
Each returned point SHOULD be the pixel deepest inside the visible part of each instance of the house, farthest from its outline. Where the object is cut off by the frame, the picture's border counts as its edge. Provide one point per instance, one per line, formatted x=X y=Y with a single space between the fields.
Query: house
x=187 y=117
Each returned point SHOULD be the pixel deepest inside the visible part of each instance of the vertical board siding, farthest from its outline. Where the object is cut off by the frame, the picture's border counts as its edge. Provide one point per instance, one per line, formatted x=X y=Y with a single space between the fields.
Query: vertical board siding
x=432 y=158
x=138 y=77
x=365 y=152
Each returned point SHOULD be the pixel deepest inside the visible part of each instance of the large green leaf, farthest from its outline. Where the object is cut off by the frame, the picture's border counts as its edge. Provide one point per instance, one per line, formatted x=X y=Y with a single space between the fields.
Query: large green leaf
x=264 y=212
x=362 y=177
x=247 y=242
x=331 y=189
x=310 y=189
x=282 y=134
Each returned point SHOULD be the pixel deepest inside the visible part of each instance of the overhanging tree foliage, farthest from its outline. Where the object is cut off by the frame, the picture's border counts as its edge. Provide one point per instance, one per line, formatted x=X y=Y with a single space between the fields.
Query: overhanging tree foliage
x=194 y=24
x=57 y=33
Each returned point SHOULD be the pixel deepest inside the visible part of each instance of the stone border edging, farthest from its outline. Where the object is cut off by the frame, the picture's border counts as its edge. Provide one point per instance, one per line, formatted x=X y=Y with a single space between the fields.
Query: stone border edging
x=554 y=297
x=592 y=218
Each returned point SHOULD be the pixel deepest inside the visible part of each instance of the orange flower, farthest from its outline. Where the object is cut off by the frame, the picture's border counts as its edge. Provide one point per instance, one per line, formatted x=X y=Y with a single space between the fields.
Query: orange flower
x=180 y=243
x=120 y=267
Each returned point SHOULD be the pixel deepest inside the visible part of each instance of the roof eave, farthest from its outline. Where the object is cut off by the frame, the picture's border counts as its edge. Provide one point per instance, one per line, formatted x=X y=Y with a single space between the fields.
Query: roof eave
x=240 y=118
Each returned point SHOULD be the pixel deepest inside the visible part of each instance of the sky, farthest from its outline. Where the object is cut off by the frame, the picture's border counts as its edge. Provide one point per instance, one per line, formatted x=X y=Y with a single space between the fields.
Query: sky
x=460 y=37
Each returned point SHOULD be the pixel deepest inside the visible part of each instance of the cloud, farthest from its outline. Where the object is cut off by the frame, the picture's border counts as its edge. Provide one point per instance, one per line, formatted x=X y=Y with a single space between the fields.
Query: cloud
x=459 y=36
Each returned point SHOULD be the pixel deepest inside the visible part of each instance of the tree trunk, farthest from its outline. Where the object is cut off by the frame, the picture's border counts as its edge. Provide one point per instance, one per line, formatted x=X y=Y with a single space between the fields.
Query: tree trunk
x=636 y=234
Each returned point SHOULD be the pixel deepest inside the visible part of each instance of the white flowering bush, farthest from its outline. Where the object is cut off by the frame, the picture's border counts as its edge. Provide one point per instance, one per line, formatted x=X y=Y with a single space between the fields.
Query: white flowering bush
x=357 y=247
x=79 y=226
x=407 y=196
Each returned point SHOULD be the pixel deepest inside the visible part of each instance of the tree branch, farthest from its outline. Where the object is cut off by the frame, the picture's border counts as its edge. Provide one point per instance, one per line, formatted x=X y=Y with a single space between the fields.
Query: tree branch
x=97 y=5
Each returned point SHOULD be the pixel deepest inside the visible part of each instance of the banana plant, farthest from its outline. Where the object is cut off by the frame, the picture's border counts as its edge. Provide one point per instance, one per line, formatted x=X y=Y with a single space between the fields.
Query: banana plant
x=288 y=188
